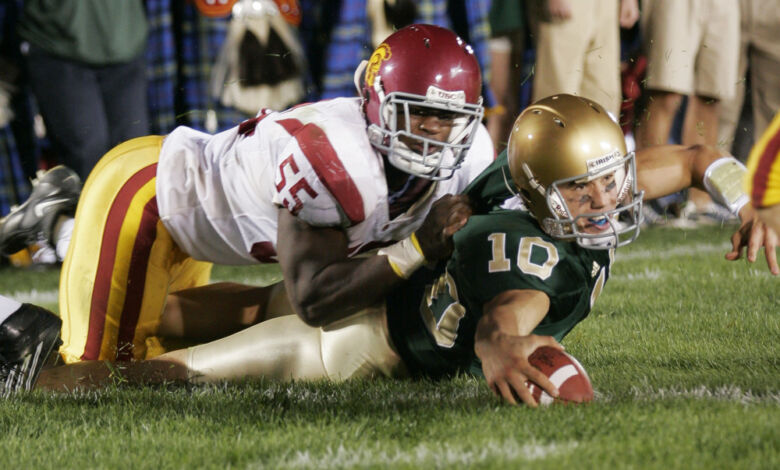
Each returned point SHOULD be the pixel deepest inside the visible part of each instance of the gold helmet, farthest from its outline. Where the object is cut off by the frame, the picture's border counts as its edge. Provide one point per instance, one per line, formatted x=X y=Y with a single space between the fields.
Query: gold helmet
x=565 y=138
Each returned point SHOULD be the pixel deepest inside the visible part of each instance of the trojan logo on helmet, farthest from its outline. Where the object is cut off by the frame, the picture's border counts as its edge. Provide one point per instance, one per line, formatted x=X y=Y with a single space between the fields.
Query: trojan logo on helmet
x=427 y=70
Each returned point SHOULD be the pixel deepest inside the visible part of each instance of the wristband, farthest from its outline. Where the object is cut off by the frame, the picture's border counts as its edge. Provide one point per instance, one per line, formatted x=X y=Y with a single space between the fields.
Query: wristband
x=723 y=180
x=405 y=256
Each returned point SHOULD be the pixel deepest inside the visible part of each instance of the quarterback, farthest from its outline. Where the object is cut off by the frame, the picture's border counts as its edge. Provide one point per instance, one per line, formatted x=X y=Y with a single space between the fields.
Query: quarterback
x=308 y=188
x=526 y=268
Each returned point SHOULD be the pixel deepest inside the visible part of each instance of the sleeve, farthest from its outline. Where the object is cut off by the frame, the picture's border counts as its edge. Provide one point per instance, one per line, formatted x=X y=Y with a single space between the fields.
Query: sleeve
x=299 y=189
x=312 y=182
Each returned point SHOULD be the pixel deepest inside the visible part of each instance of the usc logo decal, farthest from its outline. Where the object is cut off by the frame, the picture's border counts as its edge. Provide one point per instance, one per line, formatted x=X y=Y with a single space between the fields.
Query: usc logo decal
x=381 y=54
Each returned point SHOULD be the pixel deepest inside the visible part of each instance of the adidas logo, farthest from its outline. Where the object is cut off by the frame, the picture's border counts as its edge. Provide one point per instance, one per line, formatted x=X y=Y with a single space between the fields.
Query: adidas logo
x=595 y=269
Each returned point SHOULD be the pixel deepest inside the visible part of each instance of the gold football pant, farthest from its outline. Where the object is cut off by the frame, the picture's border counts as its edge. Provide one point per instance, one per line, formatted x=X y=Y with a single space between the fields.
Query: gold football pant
x=285 y=348
x=121 y=262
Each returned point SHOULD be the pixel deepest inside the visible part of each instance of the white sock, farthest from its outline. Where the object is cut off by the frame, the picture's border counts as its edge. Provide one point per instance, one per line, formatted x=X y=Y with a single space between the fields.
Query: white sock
x=7 y=307
x=63 y=230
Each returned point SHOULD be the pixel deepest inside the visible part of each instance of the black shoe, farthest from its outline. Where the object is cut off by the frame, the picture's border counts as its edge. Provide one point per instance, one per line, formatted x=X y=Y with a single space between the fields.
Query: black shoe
x=27 y=339
x=54 y=193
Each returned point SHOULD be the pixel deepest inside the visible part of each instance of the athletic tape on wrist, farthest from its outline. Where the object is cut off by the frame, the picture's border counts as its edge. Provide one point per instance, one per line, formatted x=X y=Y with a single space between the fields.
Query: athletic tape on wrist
x=405 y=256
x=723 y=180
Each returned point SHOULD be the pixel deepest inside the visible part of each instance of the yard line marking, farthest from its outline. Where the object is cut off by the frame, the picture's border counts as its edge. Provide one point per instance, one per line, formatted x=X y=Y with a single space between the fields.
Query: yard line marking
x=727 y=393
x=423 y=455
x=645 y=275
x=34 y=296
x=677 y=251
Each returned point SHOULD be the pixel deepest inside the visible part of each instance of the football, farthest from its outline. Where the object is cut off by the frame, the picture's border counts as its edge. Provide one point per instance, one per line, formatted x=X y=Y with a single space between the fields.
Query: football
x=565 y=372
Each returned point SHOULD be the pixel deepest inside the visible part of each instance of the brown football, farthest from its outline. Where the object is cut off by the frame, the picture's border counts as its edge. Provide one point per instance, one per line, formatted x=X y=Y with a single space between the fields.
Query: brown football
x=565 y=372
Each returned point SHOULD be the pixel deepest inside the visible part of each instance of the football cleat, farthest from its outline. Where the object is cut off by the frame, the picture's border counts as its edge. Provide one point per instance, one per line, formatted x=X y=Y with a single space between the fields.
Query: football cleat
x=54 y=193
x=27 y=339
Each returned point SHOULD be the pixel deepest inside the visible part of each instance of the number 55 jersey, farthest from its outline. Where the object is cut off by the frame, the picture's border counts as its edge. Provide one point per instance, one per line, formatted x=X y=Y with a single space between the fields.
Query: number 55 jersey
x=219 y=195
x=156 y=212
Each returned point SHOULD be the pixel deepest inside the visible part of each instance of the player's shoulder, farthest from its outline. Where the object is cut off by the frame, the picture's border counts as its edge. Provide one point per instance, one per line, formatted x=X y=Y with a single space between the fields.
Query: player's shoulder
x=329 y=174
x=518 y=223
x=333 y=117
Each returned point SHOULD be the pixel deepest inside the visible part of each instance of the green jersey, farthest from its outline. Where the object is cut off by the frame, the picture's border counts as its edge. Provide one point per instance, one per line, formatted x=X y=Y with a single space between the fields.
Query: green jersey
x=433 y=317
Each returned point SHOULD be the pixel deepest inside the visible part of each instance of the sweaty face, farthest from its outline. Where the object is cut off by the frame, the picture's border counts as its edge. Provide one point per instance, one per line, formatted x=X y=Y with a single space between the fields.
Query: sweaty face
x=591 y=198
x=435 y=124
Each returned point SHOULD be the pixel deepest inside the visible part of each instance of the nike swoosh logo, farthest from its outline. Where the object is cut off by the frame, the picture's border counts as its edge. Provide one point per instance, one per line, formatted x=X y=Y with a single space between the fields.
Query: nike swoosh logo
x=38 y=210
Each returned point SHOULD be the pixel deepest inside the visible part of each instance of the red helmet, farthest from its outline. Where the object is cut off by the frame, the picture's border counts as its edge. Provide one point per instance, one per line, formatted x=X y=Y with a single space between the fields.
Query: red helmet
x=422 y=66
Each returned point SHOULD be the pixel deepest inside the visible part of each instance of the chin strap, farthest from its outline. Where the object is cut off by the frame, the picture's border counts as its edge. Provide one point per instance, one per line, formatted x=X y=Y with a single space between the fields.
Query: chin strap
x=723 y=180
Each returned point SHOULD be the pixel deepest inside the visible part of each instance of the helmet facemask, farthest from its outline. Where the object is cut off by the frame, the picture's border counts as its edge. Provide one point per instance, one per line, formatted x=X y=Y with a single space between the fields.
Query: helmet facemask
x=429 y=160
x=624 y=220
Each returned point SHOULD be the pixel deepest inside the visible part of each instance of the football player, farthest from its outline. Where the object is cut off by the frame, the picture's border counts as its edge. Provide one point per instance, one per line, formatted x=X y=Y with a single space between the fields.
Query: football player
x=763 y=181
x=526 y=269
x=310 y=187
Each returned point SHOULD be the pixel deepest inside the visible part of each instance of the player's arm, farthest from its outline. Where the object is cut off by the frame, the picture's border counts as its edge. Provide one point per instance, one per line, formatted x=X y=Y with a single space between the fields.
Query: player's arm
x=324 y=284
x=666 y=169
x=503 y=342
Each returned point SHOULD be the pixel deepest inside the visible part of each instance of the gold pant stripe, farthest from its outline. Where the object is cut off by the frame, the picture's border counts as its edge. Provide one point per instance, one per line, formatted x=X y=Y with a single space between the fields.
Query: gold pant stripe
x=122 y=261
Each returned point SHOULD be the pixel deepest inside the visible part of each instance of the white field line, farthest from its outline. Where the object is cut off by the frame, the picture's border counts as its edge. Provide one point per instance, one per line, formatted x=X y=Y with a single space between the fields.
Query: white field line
x=677 y=251
x=727 y=393
x=34 y=296
x=423 y=455
x=645 y=275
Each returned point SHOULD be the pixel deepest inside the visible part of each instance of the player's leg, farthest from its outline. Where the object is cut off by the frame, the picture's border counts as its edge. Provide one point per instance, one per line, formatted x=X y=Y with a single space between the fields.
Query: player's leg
x=286 y=348
x=115 y=276
x=86 y=375
x=282 y=348
x=217 y=310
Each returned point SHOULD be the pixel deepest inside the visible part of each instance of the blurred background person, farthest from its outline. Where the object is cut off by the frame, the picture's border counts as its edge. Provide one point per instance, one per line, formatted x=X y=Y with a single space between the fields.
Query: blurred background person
x=507 y=47
x=578 y=48
x=758 y=76
x=691 y=48
x=85 y=64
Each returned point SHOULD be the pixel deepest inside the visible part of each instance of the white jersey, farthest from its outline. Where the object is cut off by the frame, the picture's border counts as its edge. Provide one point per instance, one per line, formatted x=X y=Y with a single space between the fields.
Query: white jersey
x=219 y=195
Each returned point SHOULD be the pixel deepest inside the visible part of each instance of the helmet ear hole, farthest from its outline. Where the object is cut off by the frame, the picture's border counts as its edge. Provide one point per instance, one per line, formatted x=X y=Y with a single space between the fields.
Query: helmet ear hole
x=360 y=83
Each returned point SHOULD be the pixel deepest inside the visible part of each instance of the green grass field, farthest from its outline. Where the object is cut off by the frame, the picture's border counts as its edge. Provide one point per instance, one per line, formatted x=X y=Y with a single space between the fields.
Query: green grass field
x=682 y=349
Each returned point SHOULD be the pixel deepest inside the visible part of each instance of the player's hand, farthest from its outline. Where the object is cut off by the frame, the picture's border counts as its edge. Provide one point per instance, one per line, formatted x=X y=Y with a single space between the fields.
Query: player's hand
x=629 y=13
x=448 y=215
x=506 y=367
x=752 y=235
x=559 y=9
